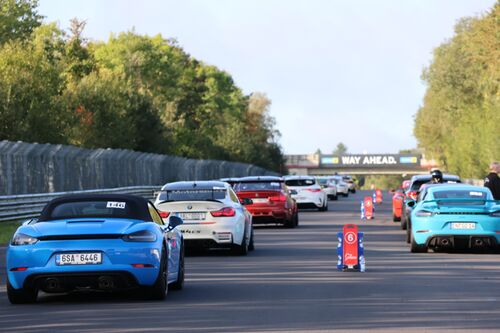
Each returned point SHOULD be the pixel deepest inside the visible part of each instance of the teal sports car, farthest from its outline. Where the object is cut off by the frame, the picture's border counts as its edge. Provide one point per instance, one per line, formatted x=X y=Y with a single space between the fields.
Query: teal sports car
x=447 y=216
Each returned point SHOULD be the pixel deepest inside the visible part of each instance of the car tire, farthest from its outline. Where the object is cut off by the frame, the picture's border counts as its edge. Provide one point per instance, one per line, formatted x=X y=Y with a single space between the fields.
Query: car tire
x=417 y=248
x=403 y=224
x=345 y=195
x=21 y=296
x=241 y=250
x=296 y=219
x=335 y=197
x=395 y=218
x=251 y=245
x=179 y=283
x=408 y=235
x=289 y=223
x=160 y=288
x=354 y=191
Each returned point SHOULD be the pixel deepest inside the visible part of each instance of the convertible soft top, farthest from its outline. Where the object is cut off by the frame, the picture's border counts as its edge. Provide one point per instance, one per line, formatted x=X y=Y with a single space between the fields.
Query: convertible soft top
x=125 y=206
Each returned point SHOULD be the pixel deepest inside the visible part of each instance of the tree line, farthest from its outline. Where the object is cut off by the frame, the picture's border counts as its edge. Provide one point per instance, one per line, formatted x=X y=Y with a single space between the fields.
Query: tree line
x=459 y=122
x=132 y=92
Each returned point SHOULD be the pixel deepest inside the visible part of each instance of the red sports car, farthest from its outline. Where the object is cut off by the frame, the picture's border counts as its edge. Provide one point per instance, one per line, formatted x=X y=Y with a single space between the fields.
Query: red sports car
x=398 y=199
x=271 y=200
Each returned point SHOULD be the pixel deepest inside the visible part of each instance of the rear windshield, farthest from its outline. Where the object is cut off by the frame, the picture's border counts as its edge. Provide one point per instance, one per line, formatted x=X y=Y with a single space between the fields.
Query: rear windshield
x=101 y=209
x=418 y=183
x=300 y=182
x=460 y=194
x=192 y=195
x=322 y=181
x=258 y=186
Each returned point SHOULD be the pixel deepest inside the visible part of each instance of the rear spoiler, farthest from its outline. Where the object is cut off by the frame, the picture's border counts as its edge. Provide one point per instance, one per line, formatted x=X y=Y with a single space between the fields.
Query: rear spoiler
x=462 y=200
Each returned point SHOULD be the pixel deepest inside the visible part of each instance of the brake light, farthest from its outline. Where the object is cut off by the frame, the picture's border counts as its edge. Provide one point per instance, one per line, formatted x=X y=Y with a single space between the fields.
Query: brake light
x=19 y=269
x=413 y=195
x=224 y=212
x=313 y=189
x=142 y=265
x=281 y=198
x=164 y=214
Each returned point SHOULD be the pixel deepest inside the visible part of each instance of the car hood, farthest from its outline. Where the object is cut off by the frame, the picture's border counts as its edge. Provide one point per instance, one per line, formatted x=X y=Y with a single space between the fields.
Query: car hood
x=87 y=226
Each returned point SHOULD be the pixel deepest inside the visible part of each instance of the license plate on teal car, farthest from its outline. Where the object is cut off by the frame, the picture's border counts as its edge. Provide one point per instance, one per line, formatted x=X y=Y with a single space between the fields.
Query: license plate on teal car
x=463 y=225
x=84 y=258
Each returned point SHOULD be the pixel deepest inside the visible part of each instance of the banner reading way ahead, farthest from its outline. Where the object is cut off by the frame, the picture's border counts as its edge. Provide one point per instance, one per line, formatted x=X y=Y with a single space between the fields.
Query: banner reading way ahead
x=371 y=161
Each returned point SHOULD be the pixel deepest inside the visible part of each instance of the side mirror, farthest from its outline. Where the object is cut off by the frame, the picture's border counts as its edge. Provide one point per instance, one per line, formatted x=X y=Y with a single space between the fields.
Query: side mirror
x=246 y=201
x=174 y=221
x=411 y=203
x=293 y=192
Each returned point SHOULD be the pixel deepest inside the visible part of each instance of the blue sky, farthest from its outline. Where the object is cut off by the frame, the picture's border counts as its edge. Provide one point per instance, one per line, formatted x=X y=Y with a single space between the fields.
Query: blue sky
x=336 y=71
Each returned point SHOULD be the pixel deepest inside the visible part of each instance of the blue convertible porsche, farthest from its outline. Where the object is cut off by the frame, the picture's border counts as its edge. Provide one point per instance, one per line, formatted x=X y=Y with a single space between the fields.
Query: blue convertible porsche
x=95 y=242
x=453 y=215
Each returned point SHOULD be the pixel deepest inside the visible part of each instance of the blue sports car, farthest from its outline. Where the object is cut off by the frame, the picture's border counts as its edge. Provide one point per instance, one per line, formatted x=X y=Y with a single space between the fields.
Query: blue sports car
x=455 y=215
x=95 y=242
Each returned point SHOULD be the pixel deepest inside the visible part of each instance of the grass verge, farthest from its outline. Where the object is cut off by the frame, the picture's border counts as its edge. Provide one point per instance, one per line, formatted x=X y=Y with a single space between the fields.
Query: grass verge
x=7 y=229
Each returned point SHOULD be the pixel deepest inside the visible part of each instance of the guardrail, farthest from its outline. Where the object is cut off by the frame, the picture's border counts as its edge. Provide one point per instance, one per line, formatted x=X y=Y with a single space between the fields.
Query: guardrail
x=25 y=206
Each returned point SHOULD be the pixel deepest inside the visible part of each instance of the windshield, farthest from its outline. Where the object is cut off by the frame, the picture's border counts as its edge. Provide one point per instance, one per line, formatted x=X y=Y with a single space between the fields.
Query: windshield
x=258 y=186
x=101 y=209
x=300 y=182
x=193 y=195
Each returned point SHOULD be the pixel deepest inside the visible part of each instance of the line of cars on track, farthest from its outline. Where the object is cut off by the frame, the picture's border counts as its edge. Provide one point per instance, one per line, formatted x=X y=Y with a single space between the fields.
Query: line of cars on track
x=111 y=242
x=446 y=214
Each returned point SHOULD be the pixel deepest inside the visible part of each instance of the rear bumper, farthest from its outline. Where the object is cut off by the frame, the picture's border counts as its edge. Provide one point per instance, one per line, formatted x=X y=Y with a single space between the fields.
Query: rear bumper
x=462 y=241
x=117 y=256
x=264 y=214
x=94 y=280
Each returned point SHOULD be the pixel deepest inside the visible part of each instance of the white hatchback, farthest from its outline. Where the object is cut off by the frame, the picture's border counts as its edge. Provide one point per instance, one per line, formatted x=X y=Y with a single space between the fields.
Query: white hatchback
x=307 y=192
x=212 y=213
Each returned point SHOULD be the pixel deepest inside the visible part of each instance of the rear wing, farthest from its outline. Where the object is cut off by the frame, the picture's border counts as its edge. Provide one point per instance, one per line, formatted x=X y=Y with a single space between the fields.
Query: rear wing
x=444 y=200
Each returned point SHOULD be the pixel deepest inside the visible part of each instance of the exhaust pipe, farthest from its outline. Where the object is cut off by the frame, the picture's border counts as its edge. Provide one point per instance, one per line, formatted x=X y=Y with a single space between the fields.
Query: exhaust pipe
x=52 y=284
x=105 y=283
x=478 y=242
x=445 y=242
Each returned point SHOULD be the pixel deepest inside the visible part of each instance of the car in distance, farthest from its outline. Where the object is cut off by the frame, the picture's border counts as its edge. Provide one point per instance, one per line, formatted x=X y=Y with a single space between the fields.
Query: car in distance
x=307 y=192
x=351 y=185
x=95 y=242
x=328 y=185
x=342 y=186
x=212 y=213
x=271 y=200
x=398 y=198
x=450 y=216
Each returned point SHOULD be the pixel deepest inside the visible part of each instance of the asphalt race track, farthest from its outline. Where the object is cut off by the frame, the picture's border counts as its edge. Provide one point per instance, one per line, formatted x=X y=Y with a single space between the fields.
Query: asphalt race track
x=290 y=284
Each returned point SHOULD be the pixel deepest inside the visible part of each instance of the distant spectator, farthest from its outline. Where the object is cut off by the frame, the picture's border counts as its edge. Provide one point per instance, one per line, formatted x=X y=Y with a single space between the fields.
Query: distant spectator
x=492 y=181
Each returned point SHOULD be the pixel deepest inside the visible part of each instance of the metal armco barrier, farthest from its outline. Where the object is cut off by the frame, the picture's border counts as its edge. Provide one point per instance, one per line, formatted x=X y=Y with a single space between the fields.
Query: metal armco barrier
x=18 y=207
x=40 y=168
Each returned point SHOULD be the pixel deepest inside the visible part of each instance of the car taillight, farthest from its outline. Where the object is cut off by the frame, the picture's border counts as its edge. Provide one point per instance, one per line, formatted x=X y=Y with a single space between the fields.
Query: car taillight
x=413 y=195
x=164 y=214
x=226 y=211
x=281 y=198
x=313 y=189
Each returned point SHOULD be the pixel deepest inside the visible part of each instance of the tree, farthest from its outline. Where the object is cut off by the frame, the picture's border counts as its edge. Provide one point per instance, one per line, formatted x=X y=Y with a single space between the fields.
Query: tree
x=341 y=149
x=459 y=122
x=18 y=19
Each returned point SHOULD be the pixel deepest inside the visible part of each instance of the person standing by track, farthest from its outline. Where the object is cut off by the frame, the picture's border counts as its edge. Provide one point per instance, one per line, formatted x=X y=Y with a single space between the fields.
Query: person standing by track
x=492 y=181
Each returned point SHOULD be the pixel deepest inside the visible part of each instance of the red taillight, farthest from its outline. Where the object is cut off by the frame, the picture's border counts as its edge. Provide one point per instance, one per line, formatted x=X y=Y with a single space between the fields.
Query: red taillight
x=18 y=269
x=164 y=214
x=142 y=265
x=226 y=211
x=281 y=198
x=313 y=189
x=413 y=195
